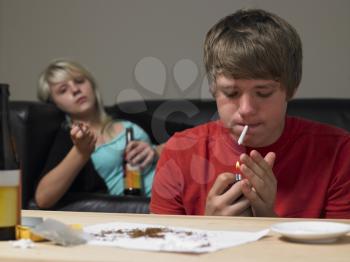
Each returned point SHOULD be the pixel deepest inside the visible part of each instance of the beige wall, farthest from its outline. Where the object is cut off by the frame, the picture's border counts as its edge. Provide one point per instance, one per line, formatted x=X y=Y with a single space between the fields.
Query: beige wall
x=112 y=37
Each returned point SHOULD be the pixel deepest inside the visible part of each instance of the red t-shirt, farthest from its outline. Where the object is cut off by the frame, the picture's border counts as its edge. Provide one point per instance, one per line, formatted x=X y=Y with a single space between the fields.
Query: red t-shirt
x=312 y=168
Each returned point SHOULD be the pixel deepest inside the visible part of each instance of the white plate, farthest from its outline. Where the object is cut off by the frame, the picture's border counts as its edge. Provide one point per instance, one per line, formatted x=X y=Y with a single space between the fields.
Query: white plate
x=311 y=231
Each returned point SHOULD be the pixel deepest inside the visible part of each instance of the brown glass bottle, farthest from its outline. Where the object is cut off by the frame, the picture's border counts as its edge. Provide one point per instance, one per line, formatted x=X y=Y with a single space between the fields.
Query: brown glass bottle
x=8 y=160
x=10 y=194
x=132 y=174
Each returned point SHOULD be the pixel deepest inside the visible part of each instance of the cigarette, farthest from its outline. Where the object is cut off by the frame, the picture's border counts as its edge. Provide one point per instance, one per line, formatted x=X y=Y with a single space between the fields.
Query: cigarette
x=244 y=132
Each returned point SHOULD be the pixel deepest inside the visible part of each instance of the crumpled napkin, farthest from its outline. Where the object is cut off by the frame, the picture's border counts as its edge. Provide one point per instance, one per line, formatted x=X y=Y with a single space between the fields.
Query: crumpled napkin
x=59 y=233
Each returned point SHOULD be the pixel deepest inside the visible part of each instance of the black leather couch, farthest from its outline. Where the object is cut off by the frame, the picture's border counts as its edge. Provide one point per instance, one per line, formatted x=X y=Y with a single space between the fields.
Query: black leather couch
x=34 y=126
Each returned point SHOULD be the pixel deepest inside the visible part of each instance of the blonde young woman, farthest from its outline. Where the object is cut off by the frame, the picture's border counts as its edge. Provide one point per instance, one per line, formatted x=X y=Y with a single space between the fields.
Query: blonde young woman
x=88 y=151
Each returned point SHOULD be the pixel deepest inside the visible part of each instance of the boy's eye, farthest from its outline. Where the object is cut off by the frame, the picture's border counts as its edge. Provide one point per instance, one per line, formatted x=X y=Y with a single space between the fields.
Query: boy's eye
x=231 y=94
x=264 y=94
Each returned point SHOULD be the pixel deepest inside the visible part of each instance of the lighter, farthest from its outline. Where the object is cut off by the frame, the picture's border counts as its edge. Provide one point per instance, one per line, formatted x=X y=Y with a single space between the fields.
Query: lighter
x=237 y=173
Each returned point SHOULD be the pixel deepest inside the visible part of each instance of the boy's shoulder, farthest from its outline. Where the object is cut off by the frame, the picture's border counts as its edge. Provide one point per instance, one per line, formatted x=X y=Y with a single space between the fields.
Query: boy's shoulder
x=302 y=126
x=198 y=134
x=201 y=131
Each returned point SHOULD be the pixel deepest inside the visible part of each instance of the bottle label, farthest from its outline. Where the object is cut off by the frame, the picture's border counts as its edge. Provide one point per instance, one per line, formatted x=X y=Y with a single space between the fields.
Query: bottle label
x=132 y=177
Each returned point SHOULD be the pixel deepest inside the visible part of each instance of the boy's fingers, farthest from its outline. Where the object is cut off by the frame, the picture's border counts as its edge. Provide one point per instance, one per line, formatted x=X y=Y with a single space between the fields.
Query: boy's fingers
x=239 y=206
x=252 y=165
x=232 y=193
x=261 y=168
x=265 y=163
x=221 y=183
x=270 y=159
x=250 y=193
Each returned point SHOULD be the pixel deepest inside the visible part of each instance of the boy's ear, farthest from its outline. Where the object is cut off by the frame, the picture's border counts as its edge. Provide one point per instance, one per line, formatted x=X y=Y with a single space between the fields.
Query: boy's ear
x=294 y=92
x=292 y=95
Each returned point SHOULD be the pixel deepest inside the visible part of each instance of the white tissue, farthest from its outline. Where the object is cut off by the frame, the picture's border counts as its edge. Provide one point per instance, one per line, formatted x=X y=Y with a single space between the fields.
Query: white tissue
x=23 y=243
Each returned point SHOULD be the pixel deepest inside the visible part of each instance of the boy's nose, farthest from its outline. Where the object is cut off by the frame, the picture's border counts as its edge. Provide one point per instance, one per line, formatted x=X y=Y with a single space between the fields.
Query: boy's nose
x=247 y=106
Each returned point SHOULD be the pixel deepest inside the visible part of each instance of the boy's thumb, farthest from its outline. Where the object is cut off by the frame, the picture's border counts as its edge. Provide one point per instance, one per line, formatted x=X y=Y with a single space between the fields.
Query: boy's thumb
x=270 y=158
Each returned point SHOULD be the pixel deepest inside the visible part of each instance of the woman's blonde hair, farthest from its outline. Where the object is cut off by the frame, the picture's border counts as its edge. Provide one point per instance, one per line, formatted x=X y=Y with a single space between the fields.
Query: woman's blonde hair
x=253 y=44
x=63 y=70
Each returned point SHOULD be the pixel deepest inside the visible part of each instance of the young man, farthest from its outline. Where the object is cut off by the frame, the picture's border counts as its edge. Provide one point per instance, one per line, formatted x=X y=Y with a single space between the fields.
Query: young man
x=291 y=167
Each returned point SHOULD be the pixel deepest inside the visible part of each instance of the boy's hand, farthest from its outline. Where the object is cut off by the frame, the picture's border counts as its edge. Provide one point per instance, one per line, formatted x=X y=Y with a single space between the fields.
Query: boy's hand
x=225 y=198
x=140 y=153
x=260 y=184
x=83 y=138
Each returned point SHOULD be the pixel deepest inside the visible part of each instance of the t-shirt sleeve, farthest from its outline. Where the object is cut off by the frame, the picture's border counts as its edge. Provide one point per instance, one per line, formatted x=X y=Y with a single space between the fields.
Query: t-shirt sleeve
x=58 y=150
x=338 y=200
x=168 y=183
x=87 y=180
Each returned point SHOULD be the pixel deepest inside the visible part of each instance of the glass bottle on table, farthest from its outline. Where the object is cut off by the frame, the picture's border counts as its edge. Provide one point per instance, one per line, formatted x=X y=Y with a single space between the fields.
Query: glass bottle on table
x=132 y=173
x=10 y=175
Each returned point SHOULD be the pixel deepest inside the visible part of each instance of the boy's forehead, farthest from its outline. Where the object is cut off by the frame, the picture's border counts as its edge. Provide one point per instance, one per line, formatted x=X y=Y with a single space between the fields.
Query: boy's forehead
x=222 y=80
x=227 y=82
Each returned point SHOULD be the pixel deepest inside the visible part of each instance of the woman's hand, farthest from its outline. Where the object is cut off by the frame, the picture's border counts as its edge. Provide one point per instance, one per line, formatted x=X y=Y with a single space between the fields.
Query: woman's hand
x=140 y=153
x=225 y=198
x=259 y=185
x=83 y=138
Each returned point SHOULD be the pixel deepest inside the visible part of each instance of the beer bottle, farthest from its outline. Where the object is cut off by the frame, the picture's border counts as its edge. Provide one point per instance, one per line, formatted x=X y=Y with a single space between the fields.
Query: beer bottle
x=8 y=160
x=132 y=173
x=10 y=179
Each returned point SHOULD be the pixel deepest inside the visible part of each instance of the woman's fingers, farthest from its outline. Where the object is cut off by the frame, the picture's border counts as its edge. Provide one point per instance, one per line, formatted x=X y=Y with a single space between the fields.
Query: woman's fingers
x=147 y=161
x=83 y=137
x=133 y=149
x=140 y=153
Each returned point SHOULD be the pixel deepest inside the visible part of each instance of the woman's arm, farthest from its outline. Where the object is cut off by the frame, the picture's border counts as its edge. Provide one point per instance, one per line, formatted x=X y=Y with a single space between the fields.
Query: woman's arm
x=56 y=182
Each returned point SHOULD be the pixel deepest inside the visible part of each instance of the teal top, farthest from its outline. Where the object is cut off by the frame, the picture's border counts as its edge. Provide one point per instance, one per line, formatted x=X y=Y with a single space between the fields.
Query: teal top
x=108 y=161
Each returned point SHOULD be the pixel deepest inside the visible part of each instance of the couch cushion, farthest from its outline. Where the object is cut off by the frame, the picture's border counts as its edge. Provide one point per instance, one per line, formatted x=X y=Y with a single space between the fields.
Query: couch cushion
x=34 y=126
x=330 y=111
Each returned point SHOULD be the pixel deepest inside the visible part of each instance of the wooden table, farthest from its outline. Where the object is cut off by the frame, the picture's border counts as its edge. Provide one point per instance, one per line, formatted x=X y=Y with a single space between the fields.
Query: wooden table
x=270 y=248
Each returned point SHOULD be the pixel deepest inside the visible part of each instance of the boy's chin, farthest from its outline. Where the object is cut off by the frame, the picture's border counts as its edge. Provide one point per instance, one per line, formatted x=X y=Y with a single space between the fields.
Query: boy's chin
x=256 y=144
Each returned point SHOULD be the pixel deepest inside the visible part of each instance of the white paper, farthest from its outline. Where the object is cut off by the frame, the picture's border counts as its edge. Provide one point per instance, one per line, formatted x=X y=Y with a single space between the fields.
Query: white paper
x=169 y=239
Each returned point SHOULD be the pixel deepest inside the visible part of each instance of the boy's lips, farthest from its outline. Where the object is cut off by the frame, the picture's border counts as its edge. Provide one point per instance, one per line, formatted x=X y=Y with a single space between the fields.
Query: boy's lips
x=251 y=127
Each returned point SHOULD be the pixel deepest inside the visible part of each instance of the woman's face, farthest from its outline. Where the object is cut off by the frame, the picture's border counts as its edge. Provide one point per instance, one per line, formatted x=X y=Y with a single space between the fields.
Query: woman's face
x=74 y=96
